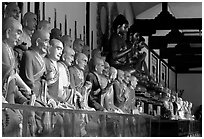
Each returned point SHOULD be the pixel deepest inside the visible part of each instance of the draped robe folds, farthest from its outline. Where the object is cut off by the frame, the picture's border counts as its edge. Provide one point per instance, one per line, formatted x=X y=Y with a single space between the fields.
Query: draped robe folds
x=129 y=104
x=77 y=81
x=94 y=100
x=65 y=90
x=11 y=119
x=117 y=45
x=109 y=101
x=32 y=70
x=119 y=96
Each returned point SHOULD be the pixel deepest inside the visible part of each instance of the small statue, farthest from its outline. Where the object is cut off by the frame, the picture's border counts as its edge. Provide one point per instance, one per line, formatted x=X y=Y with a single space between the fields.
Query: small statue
x=180 y=108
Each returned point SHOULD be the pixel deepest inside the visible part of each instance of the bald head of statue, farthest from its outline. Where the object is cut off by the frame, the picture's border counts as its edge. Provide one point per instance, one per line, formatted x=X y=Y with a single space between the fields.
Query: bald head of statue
x=106 y=69
x=12 y=10
x=113 y=73
x=44 y=25
x=133 y=81
x=30 y=21
x=120 y=75
x=11 y=31
x=127 y=76
x=40 y=41
x=55 y=34
x=68 y=56
x=55 y=49
x=78 y=45
x=81 y=61
x=66 y=40
x=86 y=50
x=98 y=65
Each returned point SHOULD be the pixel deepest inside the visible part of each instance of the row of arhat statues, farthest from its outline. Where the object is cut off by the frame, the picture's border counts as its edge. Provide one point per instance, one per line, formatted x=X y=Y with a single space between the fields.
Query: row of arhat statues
x=40 y=67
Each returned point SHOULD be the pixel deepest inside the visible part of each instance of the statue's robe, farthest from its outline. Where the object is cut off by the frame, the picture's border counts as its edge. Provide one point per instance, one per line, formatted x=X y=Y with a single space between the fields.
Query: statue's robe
x=11 y=119
x=129 y=104
x=77 y=81
x=94 y=100
x=119 y=94
x=32 y=70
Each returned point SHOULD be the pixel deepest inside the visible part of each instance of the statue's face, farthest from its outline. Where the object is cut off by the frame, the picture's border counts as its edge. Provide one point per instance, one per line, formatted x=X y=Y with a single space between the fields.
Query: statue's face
x=100 y=67
x=134 y=82
x=32 y=22
x=47 y=28
x=56 y=51
x=82 y=62
x=86 y=50
x=106 y=69
x=123 y=29
x=173 y=99
x=69 y=57
x=14 y=12
x=120 y=75
x=68 y=43
x=114 y=75
x=127 y=77
x=43 y=43
x=79 y=46
x=14 y=34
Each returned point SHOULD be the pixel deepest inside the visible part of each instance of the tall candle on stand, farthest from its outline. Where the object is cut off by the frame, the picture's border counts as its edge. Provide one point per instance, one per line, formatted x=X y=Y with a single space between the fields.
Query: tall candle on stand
x=84 y=35
x=61 y=27
x=75 y=29
x=43 y=8
x=28 y=6
x=91 y=42
x=65 y=25
x=70 y=31
x=49 y=19
x=55 y=18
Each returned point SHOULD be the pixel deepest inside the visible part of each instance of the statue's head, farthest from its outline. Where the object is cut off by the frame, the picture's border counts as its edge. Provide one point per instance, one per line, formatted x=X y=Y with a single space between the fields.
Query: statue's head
x=98 y=65
x=11 y=31
x=55 y=49
x=30 y=21
x=120 y=24
x=12 y=10
x=55 y=34
x=173 y=98
x=106 y=69
x=66 y=40
x=68 y=56
x=44 y=25
x=81 y=61
x=127 y=76
x=86 y=51
x=40 y=41
x=133 y=81
x=113 y=73
x=78 y=45
x=120 y=75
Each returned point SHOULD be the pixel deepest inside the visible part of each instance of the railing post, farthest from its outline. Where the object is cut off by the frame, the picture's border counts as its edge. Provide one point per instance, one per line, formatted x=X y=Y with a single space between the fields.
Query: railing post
x=103 y=125
x=25 y=123
x=123 y=125
x=73 y=124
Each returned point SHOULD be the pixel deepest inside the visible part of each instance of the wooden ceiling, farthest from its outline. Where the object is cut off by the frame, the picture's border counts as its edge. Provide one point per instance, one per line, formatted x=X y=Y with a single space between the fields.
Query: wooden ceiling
x=187 y=53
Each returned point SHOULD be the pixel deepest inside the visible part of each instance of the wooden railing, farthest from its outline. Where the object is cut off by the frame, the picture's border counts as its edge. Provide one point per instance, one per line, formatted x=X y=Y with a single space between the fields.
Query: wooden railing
x=114 y=124
x=109 y=124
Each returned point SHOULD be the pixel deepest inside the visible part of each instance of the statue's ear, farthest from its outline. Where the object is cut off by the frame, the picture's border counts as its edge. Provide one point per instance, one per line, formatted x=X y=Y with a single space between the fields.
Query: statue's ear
x=96 y=68
x=37 y=41
x=76 y=61
x=63 y=55
x=7 y=32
